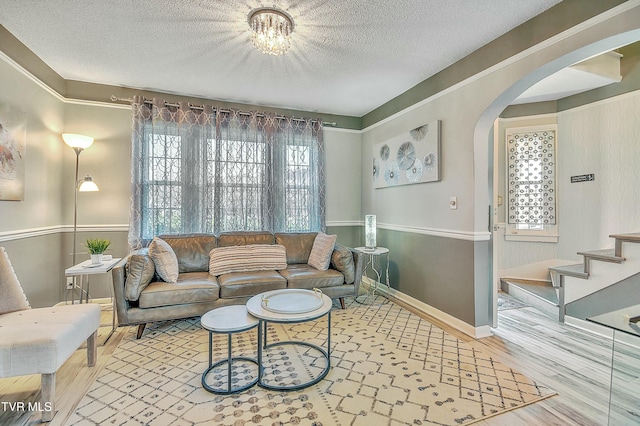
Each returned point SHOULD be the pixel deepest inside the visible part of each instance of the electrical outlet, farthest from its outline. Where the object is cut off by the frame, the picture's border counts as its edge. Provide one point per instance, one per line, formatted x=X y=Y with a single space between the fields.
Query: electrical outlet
x=453 y=203
x=69 y=283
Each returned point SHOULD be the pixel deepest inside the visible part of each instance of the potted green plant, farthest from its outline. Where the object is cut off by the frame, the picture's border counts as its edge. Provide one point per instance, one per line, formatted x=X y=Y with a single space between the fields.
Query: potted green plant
x=97 y=246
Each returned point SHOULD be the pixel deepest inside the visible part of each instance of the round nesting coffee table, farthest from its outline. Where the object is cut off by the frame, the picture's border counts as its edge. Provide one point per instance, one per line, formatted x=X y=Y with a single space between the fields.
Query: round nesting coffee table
x=228 y=320
x=290 y=306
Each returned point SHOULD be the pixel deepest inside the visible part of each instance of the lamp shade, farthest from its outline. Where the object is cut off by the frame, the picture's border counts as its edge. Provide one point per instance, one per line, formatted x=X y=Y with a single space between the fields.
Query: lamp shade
x=370 y=231
x=87 y=185
x=75 y=140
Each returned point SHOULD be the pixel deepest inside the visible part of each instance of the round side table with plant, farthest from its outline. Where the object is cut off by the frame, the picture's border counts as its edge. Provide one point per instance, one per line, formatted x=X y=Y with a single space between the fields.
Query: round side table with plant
x=97 y=246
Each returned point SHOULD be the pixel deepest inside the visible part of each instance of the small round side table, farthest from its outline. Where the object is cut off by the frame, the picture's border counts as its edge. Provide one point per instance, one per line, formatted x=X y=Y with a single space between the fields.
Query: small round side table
x=228 y=320
x=373 y=262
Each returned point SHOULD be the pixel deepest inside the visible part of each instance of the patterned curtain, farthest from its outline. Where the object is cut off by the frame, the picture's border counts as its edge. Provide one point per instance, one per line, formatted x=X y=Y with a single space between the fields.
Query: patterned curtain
x=202 y=170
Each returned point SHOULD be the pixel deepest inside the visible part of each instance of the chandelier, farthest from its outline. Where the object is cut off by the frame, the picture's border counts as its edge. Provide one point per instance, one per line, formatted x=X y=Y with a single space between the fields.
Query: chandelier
x=271 y=30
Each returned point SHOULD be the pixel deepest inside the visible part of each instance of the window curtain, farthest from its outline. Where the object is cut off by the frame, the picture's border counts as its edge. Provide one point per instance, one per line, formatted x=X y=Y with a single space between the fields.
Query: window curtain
x=202 y=170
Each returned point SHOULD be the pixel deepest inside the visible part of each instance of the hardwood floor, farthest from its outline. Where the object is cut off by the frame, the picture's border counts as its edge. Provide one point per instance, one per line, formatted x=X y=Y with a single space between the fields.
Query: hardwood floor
x=574 y=363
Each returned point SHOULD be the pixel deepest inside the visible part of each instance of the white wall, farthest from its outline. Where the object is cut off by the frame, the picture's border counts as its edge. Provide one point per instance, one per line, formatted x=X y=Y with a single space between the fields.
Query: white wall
x=108 y=161
x=343 y=170
x=426 y=205
x=602 y=138
x=43 y=173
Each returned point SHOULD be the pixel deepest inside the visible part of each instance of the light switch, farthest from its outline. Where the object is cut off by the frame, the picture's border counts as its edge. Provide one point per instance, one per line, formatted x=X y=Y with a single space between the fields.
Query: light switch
x=453 y=203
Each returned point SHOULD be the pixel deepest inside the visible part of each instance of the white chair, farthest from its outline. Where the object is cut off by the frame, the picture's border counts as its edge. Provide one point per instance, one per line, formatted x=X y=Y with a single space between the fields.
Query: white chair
x=40 y=340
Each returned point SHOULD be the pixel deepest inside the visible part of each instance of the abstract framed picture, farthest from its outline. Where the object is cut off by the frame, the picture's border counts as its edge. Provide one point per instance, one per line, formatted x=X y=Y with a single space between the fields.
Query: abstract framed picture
x=412 y=157
x=13 y=131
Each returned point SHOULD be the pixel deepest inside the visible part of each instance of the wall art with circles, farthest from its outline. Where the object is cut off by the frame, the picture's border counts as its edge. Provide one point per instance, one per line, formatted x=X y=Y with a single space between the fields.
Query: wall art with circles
x=412 y=157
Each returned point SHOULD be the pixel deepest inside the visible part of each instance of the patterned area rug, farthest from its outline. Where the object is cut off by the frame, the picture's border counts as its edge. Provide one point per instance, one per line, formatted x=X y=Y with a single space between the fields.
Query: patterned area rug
x=389 y=366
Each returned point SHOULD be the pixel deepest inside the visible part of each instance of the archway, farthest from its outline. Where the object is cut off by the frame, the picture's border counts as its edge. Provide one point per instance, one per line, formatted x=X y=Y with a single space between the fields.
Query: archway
x=486 y=290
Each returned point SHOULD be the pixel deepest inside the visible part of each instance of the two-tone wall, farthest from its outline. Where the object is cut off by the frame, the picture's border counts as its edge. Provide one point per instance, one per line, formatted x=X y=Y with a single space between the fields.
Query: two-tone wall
x=445 y=255
x=439 y=257
x=29 y=229
x=37 y=232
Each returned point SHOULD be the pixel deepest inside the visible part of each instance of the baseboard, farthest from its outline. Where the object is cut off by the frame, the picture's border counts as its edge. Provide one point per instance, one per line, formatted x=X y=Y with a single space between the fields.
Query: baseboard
x=468 y=329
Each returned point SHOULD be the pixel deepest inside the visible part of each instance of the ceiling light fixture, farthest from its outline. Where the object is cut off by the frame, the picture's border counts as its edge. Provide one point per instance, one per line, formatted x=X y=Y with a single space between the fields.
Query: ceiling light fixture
x=271 y=30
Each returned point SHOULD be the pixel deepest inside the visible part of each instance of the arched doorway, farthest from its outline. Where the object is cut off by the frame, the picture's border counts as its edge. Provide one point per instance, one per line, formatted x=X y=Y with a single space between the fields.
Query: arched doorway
x=486 y=293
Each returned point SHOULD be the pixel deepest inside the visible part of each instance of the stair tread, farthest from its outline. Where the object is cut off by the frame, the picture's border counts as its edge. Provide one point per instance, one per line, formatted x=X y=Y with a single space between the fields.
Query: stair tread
x=632 y=237
x=576 y=270
x=605 y=254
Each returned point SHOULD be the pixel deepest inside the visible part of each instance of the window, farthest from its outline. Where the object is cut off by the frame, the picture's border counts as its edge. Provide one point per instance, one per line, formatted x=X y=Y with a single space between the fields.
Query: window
x=215 y=172
x=531 y=183
x=162 y=184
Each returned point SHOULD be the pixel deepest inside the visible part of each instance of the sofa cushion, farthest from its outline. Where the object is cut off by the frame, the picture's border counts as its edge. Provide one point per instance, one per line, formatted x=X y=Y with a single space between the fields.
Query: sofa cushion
x=164 y=259
x=12 y=297
x=308 y=277
x=140 y=272
x=191 y=287
x=321 y=252
x=227 y=239
x=254 y=257
x=192 y=251
x=297 y=245
x=242 y=284
x=342 y=260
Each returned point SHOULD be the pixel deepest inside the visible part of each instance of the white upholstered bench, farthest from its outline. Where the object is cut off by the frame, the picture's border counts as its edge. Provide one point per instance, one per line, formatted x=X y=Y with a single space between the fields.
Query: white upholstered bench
x=40 y=340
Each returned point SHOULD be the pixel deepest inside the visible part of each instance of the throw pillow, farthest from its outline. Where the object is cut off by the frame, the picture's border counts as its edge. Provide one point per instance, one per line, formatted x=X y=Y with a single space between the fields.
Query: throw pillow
x=252 y=257
x=12 y=297
x=342 y=260
x=321 y=251
x=164 y=259
x=140 y=271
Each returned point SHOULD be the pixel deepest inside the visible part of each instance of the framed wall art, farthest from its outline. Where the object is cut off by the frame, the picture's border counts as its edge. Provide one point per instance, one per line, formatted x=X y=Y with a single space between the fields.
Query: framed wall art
x=13 y=131
x=412 y=157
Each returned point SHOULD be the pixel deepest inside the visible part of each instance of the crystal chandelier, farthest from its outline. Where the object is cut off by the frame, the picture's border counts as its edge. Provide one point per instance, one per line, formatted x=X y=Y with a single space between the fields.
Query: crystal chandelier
x=270 y=30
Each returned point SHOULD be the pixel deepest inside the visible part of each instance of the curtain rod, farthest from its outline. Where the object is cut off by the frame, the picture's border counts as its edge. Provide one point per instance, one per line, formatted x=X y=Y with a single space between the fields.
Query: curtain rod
x=201 y=108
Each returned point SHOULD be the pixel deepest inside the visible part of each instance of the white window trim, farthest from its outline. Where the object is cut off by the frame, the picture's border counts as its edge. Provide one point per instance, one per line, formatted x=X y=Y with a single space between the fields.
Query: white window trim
x=549 y=233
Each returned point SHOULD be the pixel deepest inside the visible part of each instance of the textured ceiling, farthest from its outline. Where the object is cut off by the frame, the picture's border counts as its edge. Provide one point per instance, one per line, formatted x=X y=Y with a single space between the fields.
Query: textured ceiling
x=347 y=57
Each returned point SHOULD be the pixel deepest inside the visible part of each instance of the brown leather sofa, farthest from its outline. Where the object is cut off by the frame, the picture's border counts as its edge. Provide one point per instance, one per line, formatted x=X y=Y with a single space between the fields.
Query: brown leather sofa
x=142 y=297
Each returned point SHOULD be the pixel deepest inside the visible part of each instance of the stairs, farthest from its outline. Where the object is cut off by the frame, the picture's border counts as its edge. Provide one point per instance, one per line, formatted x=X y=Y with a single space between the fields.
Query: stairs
x=567 y=279
x=537 y=294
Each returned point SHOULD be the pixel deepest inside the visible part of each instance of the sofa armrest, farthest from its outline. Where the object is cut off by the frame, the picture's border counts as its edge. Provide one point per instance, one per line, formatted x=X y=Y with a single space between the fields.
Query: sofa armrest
x=358 y=262
x=119 y=277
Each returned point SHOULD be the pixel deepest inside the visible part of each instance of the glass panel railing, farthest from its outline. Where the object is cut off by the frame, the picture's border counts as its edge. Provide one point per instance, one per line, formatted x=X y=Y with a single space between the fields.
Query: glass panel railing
x=624 y=396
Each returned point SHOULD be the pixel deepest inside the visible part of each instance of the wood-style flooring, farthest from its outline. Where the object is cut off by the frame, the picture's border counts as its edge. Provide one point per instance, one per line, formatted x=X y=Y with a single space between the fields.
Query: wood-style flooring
x=574 y=363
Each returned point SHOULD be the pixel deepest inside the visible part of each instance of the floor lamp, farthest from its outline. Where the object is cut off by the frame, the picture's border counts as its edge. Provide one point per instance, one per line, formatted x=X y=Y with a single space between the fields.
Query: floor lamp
x=79 y=143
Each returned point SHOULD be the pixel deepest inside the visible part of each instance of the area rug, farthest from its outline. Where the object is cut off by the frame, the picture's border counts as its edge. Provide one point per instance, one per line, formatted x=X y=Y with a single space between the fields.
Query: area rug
x=388 y=366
